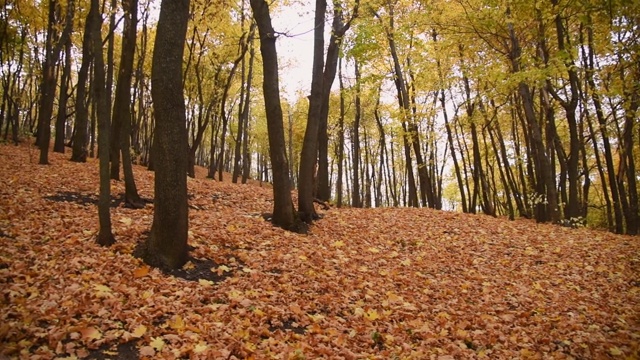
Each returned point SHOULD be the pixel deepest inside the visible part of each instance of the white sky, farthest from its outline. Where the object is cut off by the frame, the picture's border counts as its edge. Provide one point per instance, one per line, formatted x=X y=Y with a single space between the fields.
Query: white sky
x=295 y=49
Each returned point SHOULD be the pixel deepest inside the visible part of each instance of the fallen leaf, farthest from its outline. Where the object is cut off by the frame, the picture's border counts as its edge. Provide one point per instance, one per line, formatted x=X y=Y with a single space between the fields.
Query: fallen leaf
x=139 y=331
x=141 y=271
x=90 y=333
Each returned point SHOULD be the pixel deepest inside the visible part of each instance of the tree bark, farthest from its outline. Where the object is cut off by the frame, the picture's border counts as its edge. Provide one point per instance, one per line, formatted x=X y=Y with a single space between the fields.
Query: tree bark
x=61 y=119
x=122 y=104
x=283 y=211
x=79 y=150
x=105 y=235
x=166 y=245
x=308 y=155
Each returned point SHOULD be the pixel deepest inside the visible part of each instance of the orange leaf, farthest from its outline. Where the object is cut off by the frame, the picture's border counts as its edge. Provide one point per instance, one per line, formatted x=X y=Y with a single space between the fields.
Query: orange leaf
x=141 y=271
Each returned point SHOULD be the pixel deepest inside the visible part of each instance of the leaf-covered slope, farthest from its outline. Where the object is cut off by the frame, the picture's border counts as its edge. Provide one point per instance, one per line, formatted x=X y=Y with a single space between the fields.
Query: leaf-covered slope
x=376 y=283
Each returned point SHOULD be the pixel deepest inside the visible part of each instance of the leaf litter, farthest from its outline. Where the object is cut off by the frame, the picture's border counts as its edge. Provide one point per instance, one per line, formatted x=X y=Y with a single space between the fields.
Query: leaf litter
x=363 y=284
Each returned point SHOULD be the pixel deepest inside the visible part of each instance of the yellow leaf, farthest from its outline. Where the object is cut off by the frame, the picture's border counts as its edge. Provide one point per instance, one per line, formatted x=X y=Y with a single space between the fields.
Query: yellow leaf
x=221 y=269
x=247 y=270
x=103 y=291
x=231 y=228
x=302 y=257
x=125 y=220
x=141 y=271
x=177 y=323
x=188 y=266
x=406 y=262
x=374 y=250
x=338 y=244
x=157 y=343
x=371 y=315
x=615 y=351
x=200 y=348
x=204 y=282
x=139 y=331
x=91 y=333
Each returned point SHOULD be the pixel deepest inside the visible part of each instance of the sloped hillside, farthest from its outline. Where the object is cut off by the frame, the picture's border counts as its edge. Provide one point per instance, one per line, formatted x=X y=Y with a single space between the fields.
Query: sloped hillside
x=364 y=284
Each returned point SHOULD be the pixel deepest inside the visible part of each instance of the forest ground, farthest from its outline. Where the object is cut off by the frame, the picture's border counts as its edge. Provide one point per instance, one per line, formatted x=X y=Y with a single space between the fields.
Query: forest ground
x=394 y=283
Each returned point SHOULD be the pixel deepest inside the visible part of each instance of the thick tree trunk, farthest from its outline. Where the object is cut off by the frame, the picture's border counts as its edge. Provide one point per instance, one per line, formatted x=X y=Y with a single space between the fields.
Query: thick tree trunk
x=166 y=245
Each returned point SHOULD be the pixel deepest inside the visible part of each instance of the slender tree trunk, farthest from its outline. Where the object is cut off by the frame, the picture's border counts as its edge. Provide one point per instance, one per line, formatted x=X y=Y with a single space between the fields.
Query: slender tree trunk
x=122 y=106
x=105 y=235
x=606 y=145
x=53 y=46
x=244 y=115
x=309 y=151
x=283 y=211
x=61 y=119
x=355 y=142
x=79 y=150
x=340 y=150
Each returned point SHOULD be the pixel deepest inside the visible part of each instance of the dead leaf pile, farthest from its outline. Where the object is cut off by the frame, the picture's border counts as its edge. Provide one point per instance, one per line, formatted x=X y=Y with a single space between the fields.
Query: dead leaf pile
x=364 y=284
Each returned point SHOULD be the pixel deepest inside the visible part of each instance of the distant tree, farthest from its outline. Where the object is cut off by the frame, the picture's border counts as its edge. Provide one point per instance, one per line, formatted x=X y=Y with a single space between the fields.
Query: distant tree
x=53 y=47
x=79 y=149
x=166 y=245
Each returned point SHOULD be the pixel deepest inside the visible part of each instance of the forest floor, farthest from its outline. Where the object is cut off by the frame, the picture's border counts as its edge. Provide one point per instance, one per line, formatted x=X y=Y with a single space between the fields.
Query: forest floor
x=392 y=283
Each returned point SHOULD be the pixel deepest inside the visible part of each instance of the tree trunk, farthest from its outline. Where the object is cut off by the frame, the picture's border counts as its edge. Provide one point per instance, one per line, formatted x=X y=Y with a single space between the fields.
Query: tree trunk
x=48 y=82
x=105 y=235
x=79 y=150
x=244 y=114
x=338 y=30
x=340 y=149
x=283 y=211
x=309 y=152
x=355 y=143
x=606 y=145
x=61 y=119
x=166 y=245
x=122 y=106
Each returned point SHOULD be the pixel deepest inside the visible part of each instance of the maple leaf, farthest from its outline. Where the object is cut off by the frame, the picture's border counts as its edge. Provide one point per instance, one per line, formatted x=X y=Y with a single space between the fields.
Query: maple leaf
x=139 y=331
x=157 y=343
x=176 y=323
x=141 y=271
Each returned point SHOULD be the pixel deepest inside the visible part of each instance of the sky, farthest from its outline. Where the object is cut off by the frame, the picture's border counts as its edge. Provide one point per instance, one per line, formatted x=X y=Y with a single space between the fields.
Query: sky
x=295 y=48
